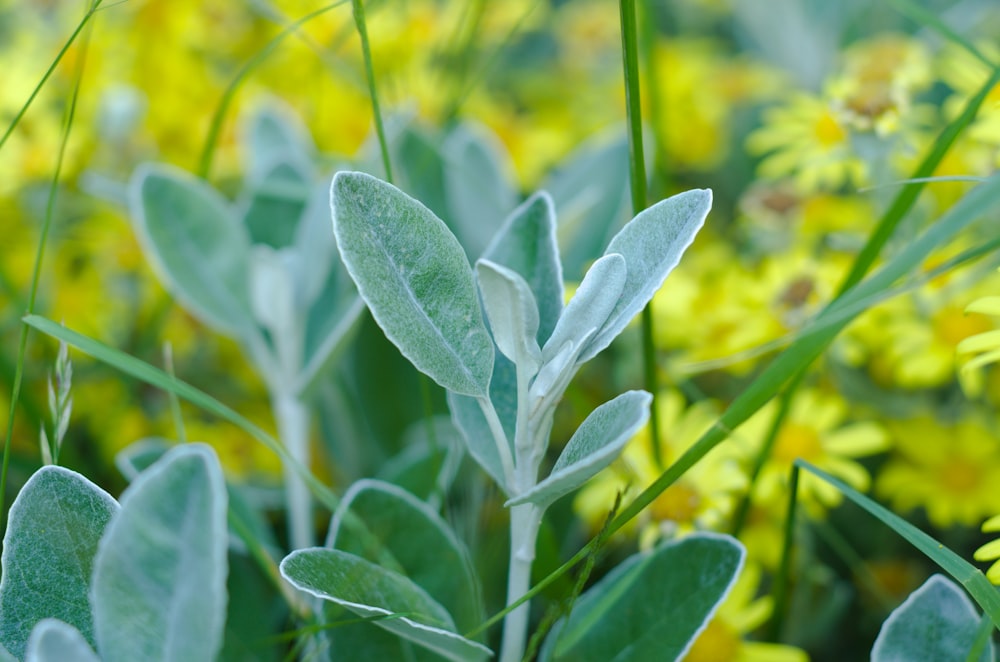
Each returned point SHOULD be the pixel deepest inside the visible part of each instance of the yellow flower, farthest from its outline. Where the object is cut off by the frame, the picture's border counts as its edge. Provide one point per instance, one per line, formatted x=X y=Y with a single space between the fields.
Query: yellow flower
x=985 y=346
x=951 y=471
x=808 y=140
x=701 y=499
x=991 y=550
x=742 y=612
x=816 y=430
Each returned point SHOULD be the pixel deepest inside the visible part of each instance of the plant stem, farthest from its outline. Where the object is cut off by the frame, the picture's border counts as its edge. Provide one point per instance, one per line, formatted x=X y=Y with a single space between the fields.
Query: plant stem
x=359 y=21
x=293 y=429
x=525 y=521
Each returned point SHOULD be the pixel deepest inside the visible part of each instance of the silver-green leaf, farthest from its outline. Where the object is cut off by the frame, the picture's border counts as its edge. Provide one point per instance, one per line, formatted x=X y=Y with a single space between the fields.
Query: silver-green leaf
x=936 y=622
x=55 y=641
x=196 y=243
x=53 y=531
x=513 y=314
x=372 y=591
x=595 y=445
x=159 y=583
x=652 y=244
x=416 y=280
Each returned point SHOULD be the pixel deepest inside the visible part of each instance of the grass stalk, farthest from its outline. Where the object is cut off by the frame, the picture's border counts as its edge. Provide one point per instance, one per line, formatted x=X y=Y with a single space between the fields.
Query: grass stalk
x=366 y=52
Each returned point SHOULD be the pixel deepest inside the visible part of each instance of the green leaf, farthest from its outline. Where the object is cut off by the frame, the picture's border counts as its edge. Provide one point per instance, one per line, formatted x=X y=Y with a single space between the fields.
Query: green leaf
x=591 y=304
x=196 y=243
x=966 y=574
x=55 y=641
x=417 y=282
x=159 y=584
x=526 y=244
x=370 y=590
x=652 y=606
x=140 y=455
x=936 y=622
x=652 y=244
x=595 y=445
x=469 y=419
x=275 y=134
x=275 y=203
x=591 y=192
x=512 y=313
x=53 y=531
x=477 y=189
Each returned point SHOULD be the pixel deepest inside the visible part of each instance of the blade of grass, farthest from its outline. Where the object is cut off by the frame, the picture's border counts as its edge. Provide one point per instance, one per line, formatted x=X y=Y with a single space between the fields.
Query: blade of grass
x=637 y=180
x=781 y=578
x=366 y=52
x=215 y=126
x=974 y=581
x=153 y=376
x=36 y=273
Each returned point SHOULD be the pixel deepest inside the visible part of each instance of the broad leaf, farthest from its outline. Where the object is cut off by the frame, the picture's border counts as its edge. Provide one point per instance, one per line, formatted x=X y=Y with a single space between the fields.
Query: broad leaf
x=274 y=204
x=652 y=606
x=54 y=641
x=417 y=282
x=652 y=244
x=53 y=531
x=196 y=243
x=936 y=622
x=526 y=244
x=591 y=304
x=275 y=134
x=159 y=585
x=419 y=542
x=469 y=419
x=478 y=193
x=140 y=455
x=513 y=314
x=595 y=445
x=370 y=590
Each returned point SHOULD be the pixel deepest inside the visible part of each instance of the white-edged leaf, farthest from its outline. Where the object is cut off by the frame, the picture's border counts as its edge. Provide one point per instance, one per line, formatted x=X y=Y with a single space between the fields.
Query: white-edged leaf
x=513 y=314
x=526 y=244
x=417 y=282
x=419 y=541
x=594 y=445
x=54 y=641
x=591 y=304
x=652 y=606
x=936 y=622
x=53 y=531
x=652 y=244
x=196 y=243
x=140 y=455
x=372 y=591
x=159 y=583
x=469 y=419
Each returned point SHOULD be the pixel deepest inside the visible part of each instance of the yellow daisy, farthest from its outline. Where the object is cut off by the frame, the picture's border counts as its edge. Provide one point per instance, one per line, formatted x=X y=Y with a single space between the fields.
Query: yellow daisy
x=984 y=347
x=991 y=550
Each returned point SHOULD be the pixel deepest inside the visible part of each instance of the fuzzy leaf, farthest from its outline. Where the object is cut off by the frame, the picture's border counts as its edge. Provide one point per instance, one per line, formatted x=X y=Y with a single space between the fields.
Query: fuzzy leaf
x=468 y=418
x=53 y=531
x=652 y=606
x=370 y=590
x=159 y=585
x=55 y=641
x=936 y=622
x=590 y=306
x=422 y=544
x=513 y=314
x=195 y=242
x=526 y=244
x=595 y=445
x=417 y=282
x=652 y=244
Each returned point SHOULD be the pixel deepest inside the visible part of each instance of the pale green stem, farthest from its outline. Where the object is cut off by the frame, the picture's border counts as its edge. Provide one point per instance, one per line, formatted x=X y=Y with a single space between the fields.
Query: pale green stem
x=293 y=429
x=499 y=438
x=525 y=521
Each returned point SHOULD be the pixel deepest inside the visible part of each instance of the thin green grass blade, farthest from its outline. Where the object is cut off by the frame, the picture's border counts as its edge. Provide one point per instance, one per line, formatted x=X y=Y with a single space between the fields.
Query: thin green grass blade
x=366 y=52
x=637 y=179
x=974 y=581
x=215 y=127
x=153 y=376
x=36 y=274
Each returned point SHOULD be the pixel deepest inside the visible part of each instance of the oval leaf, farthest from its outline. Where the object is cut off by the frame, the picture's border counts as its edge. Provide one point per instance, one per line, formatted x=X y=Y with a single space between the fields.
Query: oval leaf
x=595 y=445
x=526 y=244
x=652 y=244
x=196 y=243
x=652 y=606
x=55 y=641
x=936 y=622
x=370 y=590
x=159 y=586
x=417 y=282
x=513 y=314
x=53 y=532
x=418 y=540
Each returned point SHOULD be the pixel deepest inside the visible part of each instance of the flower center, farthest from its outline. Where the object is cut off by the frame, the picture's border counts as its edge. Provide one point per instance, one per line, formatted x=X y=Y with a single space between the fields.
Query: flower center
x=960 y=476
x=678 y=503
x=952 y=325
x=797 y=441
x=828 y=131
